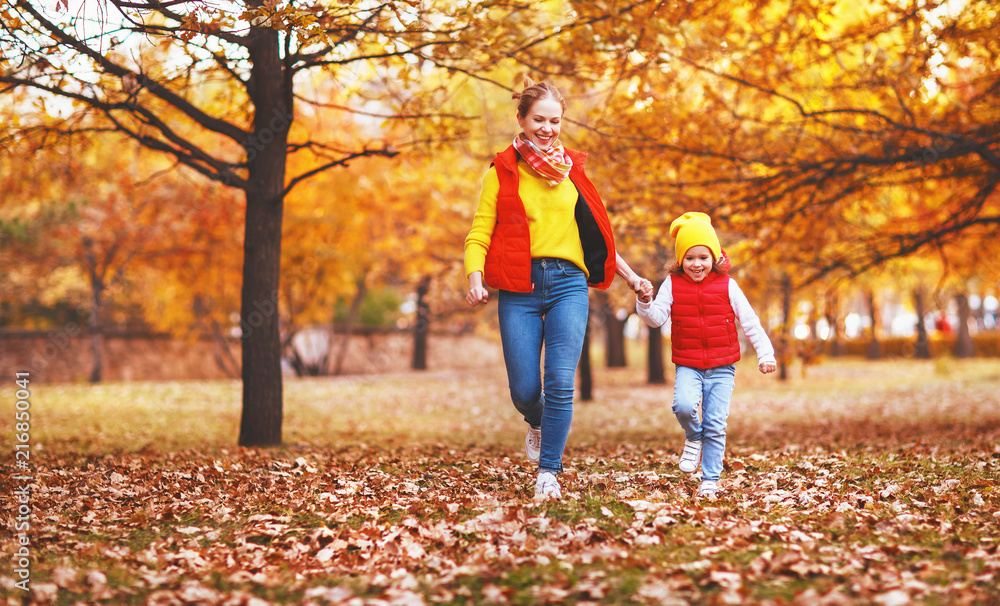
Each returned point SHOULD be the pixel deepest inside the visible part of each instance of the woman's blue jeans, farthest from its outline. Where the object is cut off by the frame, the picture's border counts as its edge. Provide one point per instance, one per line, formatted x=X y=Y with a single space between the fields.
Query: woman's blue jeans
x=713 y=389
x=553 y=314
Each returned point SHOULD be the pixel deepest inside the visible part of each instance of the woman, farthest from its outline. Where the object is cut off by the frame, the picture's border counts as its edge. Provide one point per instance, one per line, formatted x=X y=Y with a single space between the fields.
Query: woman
x=541 y=235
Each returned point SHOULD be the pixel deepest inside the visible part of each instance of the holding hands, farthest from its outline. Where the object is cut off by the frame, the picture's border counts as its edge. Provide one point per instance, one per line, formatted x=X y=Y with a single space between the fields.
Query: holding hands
x=642 y=288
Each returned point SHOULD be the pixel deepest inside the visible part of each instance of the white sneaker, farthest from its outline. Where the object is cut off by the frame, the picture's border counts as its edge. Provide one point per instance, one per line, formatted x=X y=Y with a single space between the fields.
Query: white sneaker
x=547 y=486
x=708 y=489
x=691 y=456
x=533 y=443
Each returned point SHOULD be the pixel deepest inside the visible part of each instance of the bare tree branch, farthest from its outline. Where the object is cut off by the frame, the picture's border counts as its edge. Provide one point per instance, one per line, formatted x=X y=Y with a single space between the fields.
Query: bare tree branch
x=209 y=122
x=387 y=153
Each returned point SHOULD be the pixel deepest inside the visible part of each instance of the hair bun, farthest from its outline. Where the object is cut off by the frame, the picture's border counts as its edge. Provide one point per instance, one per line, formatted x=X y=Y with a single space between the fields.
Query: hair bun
x=526 y=83
x=534 y=91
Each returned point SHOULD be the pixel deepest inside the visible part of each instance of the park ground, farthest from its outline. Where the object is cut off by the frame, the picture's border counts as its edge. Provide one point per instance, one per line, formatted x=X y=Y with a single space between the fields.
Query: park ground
x=854 y=483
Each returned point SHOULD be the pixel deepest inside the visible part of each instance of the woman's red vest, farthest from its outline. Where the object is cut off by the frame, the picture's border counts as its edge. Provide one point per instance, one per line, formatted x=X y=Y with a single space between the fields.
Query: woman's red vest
x=508 y=261
x=702 y=322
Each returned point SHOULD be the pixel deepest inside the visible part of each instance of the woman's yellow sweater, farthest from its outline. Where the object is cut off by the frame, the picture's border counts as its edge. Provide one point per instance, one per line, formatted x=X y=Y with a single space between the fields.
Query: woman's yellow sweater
x=551 y=215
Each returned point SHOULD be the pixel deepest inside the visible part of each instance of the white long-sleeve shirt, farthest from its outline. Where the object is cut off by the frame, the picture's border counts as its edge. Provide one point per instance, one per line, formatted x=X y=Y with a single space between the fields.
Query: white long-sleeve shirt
x=657 y=313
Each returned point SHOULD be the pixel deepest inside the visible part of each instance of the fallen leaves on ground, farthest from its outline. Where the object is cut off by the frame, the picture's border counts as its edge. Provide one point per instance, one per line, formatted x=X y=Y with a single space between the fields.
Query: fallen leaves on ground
x=909 y=523
x=872 y=491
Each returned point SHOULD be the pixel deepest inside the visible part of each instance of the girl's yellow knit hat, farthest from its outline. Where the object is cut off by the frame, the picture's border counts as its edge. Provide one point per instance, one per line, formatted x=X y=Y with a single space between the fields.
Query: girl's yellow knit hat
x=694 y=229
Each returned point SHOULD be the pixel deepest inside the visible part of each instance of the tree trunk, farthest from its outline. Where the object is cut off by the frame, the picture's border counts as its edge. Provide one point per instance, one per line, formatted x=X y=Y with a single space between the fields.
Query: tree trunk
x=269 y=89
x=223 y=355
x=836 y=347
x=922 y=348
x=784 y=341
x=224 y=358
x=421 y=327
x=326 y=364
x=874 y=351
x=584 y=368
x=96 y=332
x=964 y=347
x=614 y=336
x=352 y=320
x=298 y=364
x=260 y=424
x=654 y=357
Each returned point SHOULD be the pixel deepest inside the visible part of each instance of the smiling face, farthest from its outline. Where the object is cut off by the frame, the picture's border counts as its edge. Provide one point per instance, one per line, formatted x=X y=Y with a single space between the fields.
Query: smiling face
x=541 y=123
x=697 y=262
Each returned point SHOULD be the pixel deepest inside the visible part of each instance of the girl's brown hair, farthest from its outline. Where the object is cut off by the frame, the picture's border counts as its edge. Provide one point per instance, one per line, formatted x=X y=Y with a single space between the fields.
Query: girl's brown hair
x=536 y=91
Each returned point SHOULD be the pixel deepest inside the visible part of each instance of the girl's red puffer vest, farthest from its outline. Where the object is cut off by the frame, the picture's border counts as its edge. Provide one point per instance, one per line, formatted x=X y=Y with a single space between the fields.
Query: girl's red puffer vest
x=508 y=261
x=702 y=322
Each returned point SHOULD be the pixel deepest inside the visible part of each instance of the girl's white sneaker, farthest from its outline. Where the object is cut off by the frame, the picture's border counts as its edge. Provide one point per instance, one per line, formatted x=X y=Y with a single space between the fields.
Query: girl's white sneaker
x=708 y=489
x=691 y=456
x=533 y=443
x=547 y=486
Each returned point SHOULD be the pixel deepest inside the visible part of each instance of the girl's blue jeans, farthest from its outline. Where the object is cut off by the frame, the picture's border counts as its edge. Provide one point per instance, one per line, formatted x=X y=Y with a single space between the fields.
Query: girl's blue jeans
x=712 y=388
x=553 y=314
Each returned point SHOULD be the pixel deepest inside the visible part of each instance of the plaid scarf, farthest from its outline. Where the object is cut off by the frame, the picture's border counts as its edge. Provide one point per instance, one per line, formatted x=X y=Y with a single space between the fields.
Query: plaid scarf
x=553 y=163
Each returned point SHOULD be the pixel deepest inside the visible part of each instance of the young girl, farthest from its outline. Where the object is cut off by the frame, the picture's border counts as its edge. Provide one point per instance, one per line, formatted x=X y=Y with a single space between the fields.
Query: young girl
x=703 y=303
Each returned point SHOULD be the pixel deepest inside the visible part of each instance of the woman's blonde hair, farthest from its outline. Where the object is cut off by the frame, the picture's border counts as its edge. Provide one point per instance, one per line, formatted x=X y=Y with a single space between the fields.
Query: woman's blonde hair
x=536 y=91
